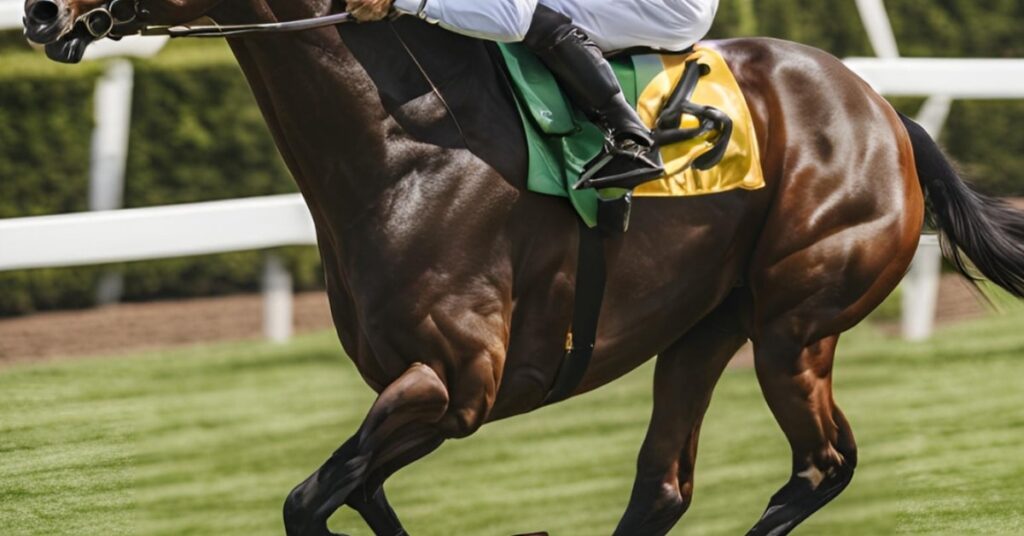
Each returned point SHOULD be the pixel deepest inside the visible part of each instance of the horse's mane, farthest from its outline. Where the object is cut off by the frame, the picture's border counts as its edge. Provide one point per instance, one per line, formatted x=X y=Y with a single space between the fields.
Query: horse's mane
x=467 y=73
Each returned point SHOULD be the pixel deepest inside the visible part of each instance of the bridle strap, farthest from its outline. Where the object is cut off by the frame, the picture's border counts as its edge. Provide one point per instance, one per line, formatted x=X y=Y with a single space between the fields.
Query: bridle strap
x=233 y=30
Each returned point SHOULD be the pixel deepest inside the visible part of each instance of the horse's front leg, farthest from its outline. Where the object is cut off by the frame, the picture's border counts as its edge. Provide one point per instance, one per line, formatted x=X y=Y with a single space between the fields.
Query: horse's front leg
x=465 y=344
x=404 y=418
x=684 y=379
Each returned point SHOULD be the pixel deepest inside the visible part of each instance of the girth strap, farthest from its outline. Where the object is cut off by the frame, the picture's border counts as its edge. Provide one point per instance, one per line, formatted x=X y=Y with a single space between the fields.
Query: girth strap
x=591 y=275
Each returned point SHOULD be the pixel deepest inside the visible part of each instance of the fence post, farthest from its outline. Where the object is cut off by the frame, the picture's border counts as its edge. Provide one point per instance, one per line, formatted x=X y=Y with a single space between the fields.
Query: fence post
x=920 y=290
x=879 y=28
x=113 y=113
x=277 y=300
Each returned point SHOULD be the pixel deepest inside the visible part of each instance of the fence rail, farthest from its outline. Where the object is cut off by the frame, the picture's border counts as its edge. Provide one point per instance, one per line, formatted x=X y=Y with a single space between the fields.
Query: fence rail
x=170 y=231
x=155 y=233
x=975 y=78
x=10 y=14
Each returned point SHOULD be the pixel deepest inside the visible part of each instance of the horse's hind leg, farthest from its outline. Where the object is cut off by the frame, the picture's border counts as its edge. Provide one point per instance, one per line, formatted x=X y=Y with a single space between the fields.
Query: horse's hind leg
x=402 y=421
x=797 y=384
x=684 y=378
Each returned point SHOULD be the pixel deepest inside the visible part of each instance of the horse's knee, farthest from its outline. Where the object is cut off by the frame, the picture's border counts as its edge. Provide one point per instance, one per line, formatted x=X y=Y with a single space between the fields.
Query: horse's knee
x=419 y=395
x=829 y=465
x=419 y=386
x=473 y=393
x=834 y=463
x=673 y=501
x=467 y=415
x=295 y=515
x=845 y=443
x=463 y=422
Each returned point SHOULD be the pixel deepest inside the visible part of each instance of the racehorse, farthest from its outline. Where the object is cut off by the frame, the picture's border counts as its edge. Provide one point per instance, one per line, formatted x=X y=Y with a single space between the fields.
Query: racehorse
x=452 y=287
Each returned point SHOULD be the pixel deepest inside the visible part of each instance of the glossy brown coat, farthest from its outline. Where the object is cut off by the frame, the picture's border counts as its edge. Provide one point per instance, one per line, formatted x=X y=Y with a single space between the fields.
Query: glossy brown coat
x=451 y=287
x=481 y=289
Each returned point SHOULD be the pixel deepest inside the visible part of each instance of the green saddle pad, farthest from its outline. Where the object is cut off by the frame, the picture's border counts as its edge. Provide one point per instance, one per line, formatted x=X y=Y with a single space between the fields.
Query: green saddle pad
x=562 y=140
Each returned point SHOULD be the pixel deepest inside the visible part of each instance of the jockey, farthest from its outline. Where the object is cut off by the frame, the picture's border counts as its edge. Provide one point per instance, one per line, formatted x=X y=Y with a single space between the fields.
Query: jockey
x=571 y=37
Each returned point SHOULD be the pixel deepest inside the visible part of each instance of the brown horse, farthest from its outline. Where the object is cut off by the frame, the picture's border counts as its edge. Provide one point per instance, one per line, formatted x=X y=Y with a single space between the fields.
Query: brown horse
x=451 y=287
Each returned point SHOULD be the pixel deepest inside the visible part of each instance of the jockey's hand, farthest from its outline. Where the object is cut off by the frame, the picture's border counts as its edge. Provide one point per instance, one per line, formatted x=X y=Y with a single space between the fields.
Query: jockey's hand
x=369 y=10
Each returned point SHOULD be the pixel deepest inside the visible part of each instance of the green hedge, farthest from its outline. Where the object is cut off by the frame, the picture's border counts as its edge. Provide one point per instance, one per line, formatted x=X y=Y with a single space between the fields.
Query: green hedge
x=44 y=157
x=983 y=136
x=197 y=135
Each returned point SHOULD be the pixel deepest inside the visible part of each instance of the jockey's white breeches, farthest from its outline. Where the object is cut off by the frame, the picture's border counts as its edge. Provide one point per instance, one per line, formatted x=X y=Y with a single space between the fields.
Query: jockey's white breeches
x=612 y=24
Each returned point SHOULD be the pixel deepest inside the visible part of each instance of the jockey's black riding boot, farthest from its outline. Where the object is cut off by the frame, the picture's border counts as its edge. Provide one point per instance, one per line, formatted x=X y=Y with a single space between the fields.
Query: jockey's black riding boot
x=629 y=157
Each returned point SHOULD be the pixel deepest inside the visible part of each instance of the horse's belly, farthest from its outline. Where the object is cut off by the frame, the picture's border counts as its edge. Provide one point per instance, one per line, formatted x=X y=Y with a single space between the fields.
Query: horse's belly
x=680 y=259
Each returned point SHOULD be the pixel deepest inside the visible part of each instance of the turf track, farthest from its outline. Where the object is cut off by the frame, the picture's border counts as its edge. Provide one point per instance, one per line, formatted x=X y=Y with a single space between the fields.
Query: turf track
x=209 y=441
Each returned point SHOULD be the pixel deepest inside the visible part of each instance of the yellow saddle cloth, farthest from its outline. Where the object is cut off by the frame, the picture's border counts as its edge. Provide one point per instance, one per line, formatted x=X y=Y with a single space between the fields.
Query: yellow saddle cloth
x=561 y=140
x=740 y=168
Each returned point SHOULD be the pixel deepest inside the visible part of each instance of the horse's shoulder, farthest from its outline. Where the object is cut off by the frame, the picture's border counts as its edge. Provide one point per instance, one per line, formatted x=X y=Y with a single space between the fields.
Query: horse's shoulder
x=408 y=59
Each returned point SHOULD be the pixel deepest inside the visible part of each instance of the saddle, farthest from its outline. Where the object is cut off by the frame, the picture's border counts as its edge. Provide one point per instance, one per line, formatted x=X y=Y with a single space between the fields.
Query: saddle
x=690 y=100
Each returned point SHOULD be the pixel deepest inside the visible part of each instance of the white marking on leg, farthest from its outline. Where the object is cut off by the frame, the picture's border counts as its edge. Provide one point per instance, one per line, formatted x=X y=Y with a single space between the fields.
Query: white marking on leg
x=813 y=475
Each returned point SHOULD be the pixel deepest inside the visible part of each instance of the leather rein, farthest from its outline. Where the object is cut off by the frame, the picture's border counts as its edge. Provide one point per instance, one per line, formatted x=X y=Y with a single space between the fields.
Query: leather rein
x=104 y=21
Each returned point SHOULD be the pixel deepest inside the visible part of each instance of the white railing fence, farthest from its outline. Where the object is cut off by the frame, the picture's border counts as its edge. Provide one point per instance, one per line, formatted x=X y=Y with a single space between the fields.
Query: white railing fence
x=942 y=81
x=112 y=113
x=170 y=231
x=258 y=223
x=11 y=12
x=155 y=233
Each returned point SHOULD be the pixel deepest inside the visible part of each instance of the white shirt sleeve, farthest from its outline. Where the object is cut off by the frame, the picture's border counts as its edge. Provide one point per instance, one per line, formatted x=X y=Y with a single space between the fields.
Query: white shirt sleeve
x=622 y=24
x=495 y=20
x=612 y=24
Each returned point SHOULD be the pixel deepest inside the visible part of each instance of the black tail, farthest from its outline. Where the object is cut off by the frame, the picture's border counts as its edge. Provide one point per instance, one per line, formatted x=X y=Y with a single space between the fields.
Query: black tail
x=986 y=231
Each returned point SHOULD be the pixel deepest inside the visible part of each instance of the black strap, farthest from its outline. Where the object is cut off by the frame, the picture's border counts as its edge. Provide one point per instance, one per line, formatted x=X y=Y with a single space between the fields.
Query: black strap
x=591 y=275
x=235 y=30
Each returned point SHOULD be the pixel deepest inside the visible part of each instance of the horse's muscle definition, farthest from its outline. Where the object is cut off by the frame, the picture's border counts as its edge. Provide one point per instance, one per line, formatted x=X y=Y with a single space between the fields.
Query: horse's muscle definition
x=452 y=287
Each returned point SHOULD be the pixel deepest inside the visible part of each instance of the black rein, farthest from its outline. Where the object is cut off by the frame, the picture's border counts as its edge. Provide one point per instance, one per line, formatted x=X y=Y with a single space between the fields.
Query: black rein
x=234 y=30
x=105 y=20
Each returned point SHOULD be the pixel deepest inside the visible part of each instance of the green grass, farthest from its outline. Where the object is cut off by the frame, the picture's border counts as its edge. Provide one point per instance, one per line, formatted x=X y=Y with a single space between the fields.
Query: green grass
x=210 y=440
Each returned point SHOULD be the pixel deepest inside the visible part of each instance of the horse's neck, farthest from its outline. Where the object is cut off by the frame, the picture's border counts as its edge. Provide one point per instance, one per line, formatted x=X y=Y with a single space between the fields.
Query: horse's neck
x=349 y=153
x=321 y=107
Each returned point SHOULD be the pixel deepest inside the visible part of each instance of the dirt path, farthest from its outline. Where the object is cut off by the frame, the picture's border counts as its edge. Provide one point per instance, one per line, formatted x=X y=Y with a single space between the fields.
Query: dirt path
x=129 y=328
